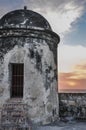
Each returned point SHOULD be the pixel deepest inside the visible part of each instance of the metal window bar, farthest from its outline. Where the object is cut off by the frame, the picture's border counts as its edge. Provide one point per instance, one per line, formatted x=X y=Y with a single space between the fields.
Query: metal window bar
x=17 y=80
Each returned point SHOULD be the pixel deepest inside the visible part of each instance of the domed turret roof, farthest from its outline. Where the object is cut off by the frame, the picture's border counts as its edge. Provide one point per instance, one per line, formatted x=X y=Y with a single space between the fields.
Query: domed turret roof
x=24 y=18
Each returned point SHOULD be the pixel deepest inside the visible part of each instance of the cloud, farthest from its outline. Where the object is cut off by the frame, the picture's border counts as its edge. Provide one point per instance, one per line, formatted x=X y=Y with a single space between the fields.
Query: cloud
x=69 y=56
x=72 y=68
x=60 y=13
x=7 y=6
x=55 y=4
x=73 y=81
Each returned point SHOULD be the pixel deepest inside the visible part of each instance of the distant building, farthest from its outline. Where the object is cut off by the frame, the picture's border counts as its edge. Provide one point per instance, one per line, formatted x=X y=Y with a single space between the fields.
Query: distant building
x=28 y=69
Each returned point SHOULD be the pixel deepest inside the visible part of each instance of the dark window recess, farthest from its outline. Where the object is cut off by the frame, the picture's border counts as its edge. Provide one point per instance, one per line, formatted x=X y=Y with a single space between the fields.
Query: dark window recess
x=17 y=80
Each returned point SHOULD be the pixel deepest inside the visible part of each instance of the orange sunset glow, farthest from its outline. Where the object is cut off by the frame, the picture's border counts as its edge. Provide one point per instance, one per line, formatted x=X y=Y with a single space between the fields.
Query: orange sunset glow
x=72 y=70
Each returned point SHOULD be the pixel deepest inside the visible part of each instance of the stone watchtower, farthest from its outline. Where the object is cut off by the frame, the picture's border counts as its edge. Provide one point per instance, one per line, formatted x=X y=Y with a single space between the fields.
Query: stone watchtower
x=28 y=69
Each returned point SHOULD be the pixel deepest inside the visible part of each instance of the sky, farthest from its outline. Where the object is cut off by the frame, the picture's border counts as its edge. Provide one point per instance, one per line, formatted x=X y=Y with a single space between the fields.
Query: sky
x=68 y=19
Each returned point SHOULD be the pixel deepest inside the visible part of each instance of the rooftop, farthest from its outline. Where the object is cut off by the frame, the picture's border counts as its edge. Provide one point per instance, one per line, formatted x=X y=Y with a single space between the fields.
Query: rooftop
x=24 y=18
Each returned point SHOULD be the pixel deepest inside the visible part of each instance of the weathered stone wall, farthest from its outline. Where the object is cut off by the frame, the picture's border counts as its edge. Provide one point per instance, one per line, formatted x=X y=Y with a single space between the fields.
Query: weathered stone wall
x=72 y=105
x=40 y=75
